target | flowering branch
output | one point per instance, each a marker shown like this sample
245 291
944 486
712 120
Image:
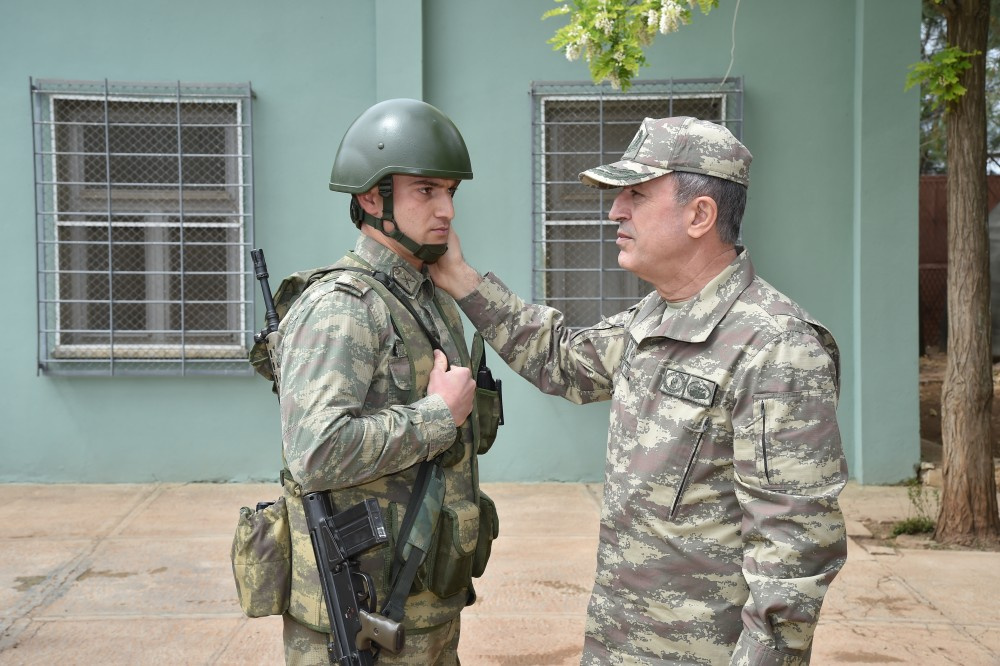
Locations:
611 34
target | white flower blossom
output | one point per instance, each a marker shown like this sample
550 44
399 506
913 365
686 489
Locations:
572 51
670 17
603 22
619 56
652 18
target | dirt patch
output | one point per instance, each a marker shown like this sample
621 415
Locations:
882 536
932 367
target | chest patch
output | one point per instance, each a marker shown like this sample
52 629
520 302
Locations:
688 387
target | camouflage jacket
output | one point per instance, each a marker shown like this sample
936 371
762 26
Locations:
720 527
349 424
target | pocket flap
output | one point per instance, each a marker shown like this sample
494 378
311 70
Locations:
465 525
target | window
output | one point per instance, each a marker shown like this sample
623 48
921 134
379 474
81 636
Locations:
144 212
579 126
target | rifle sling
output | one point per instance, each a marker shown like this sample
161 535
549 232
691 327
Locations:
402 576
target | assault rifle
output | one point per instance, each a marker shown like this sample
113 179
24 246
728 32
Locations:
357 631
336 540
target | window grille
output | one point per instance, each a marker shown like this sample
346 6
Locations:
577 126
144 217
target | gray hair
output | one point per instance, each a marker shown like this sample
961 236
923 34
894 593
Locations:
730 197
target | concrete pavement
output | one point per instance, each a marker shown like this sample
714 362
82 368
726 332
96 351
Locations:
140 574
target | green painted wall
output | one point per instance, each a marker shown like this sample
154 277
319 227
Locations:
883 299
831 218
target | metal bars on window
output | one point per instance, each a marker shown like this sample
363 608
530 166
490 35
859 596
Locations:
144 215
576 126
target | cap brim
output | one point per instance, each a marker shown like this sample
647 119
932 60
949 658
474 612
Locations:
621 174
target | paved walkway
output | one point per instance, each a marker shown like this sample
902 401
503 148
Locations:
140 574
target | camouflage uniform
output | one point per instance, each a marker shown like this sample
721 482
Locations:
348 425
720 529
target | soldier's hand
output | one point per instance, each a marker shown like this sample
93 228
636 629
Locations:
455 386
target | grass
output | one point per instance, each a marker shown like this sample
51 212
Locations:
923 502
918 525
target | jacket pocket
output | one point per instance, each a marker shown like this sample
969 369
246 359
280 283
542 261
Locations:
673 415
797 440
399 366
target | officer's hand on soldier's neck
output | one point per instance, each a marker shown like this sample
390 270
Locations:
452 273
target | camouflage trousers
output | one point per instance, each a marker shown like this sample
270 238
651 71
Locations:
437 646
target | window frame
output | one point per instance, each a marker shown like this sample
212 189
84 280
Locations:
160 213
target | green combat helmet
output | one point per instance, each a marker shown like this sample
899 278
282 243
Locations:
403 136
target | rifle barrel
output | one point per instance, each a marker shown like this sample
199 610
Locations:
260 271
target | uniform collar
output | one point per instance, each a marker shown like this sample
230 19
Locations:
699 316
381 258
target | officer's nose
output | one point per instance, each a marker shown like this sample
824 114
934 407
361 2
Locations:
619 210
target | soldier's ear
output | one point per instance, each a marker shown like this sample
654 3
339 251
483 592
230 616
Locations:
703 213
371 201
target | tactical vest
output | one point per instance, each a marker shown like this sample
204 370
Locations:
458 544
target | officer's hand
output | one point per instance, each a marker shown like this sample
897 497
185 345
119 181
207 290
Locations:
456 386
451 272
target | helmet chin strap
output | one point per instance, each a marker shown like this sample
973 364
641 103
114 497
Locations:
425 253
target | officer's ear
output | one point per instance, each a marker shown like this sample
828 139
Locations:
702 213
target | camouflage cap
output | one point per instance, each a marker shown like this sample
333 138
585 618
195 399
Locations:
675 144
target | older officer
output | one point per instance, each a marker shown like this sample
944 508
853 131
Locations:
721 530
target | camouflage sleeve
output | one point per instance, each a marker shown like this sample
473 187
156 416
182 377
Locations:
535 343
338 429
790 469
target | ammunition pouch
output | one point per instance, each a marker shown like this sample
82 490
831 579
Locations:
489 416
262 559
488 410
448 568
459 546
489 529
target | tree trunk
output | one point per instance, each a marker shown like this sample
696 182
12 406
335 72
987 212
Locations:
968 504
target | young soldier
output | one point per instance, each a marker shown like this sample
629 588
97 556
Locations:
365 401
721 530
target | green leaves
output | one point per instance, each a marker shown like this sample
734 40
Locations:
611 34
939 75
